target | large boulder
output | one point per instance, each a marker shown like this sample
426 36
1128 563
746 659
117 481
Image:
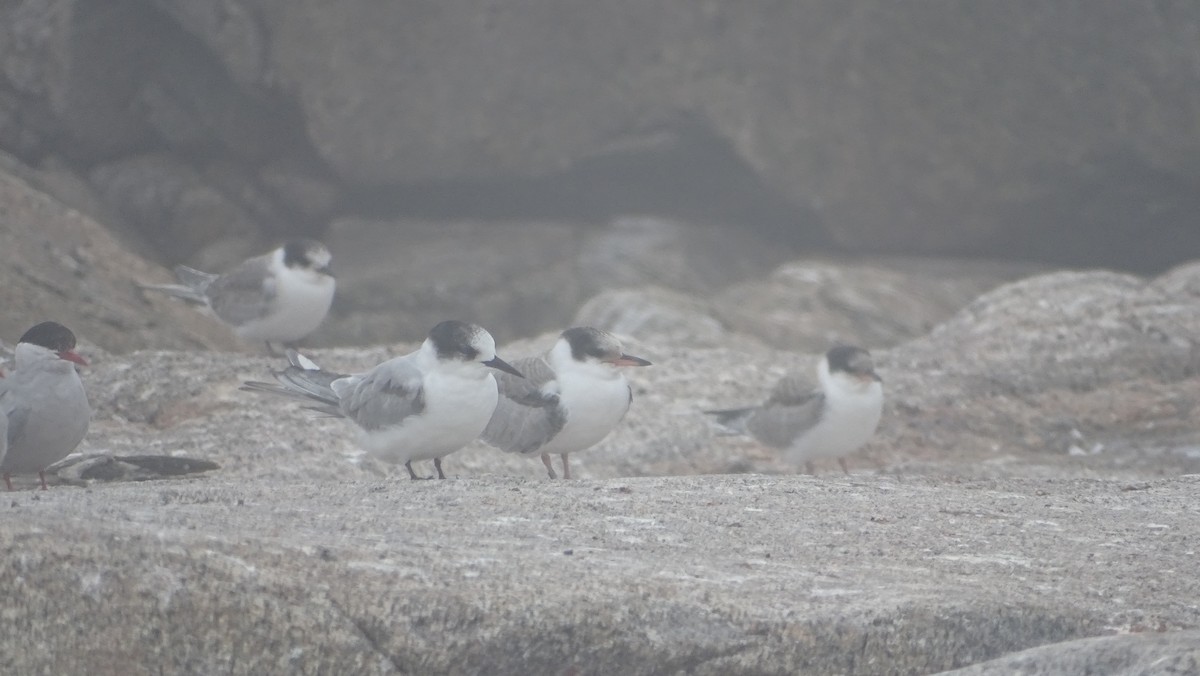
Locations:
1056 131
396 279
56 263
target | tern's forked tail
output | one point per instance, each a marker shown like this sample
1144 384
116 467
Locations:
303 380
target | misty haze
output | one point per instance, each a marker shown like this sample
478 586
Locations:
885 353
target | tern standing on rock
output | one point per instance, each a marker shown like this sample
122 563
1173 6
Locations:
421 406
45 409
278 297
570 398
831 421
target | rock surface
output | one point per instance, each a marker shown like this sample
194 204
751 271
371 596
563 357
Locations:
983 532
1130 655
501 575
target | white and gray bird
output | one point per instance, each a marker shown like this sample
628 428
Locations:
570 398
45 409
420 406
278 297
830 421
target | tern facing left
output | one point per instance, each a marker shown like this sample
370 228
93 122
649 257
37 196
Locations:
420 406
42 402
831 421
570 398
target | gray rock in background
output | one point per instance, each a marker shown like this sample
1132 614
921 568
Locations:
1025 130
398 279
172 205
56 263
809 305
655 315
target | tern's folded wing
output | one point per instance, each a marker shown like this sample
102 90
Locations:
794 406
383 397
528 414
245 293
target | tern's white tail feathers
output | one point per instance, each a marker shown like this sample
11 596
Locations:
303 380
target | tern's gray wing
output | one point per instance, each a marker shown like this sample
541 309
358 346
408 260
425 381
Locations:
384 396
12 415
527 416
13 408
3 427
793 407
245 293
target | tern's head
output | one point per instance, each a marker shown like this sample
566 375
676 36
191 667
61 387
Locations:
463 342
48 341
588 345
306 254
852 362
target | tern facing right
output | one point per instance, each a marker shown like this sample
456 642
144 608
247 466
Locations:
419 406
278 297
570 398
831 421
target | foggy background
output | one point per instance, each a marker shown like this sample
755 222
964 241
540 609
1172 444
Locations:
505 162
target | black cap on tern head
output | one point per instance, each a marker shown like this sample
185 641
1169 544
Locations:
852 360
306 253
455 340
50 335
56 338
586 341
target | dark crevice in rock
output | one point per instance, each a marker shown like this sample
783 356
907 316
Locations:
1115 211
680 170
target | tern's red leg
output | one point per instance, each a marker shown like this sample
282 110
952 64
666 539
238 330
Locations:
8 480
566 467
411 474
42 476
842 462
549 466
437 462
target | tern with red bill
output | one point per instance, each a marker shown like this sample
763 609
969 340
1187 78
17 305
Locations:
570 398
44 406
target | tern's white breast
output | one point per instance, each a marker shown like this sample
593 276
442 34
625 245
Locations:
851 414
596 398
458 406
57 422
302 300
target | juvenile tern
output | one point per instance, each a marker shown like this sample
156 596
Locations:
278 297
830 421
570 398
420 406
